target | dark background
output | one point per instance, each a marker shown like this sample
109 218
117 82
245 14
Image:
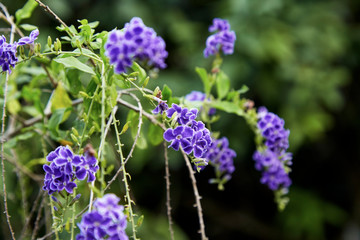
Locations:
300 59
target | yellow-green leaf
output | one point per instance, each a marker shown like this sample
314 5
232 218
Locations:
61 99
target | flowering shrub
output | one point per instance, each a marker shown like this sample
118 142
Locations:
87 83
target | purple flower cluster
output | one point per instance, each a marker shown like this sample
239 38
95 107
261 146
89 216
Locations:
65 168
223 39
106 221
221 156
135 42
189 134
274 161
8 51
199 96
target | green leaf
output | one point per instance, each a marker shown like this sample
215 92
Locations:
142 73
141 143
204 78
61 100
26 11
166 93
155 134
55 121
133 118
73 79
222 84
228 107
71 62
28 27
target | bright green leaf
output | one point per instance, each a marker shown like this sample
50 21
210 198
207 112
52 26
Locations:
71 62
26 11
222 84
28 27
141 143
155 134
228 107
55 120
204 78
61 100
142 73
166 93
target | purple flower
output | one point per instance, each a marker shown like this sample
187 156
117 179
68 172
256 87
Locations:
276 179
180 136
8 51
195 96
105 221
65 168
184 115
223 39
7 55
30 39
135 42
87 168
201 139
272 129
191 135
219 25
221 156
199 96
274 160
161 107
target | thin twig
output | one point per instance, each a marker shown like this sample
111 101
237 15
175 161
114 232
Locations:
9 19
197 196
167 179
138 128
149 116
36 225
3 130
106 131
33 209
47 9
140 110
49 75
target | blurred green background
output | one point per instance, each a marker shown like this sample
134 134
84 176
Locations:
300 59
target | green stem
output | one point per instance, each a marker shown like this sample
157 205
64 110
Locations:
127 189
73 216
87 121
103 98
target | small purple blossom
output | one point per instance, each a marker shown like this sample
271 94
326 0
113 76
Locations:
30 39
274 174
272 129
161 107
221 156
223 39
184 115
65 168
105 221
191 135
199 96
8 51
195 96
135 42
219 25
180 136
